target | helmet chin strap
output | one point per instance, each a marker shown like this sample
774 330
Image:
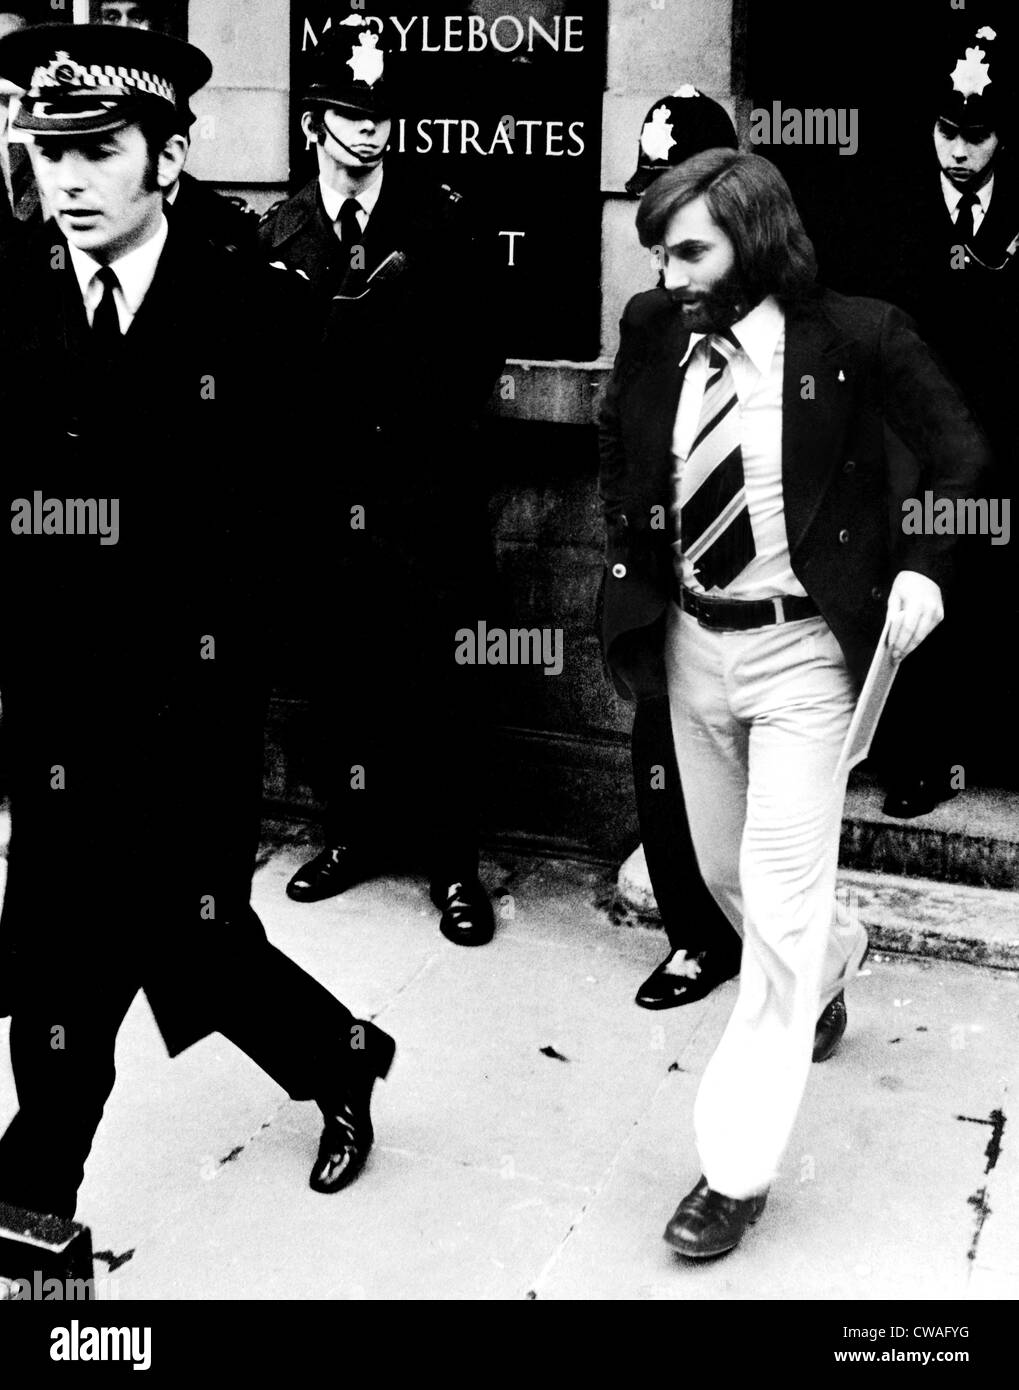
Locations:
353 153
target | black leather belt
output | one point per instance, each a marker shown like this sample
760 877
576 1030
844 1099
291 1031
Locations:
740 614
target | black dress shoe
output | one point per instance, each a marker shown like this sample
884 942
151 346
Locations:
832 1023
830 1027
918 795
467 916
333 870
662 990
348 1135
707 1223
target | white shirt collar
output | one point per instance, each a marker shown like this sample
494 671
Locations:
367 197
135 271
953 195
757 333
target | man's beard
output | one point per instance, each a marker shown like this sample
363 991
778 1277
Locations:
714 310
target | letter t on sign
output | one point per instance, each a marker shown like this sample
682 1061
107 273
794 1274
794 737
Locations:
513 245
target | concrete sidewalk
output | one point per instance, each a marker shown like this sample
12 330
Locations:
534 1135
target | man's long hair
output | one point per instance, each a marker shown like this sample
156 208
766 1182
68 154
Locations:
750 201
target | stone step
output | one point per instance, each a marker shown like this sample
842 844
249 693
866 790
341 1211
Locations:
973 839
915 916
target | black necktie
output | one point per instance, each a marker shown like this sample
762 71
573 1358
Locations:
964 229
348 227
106 321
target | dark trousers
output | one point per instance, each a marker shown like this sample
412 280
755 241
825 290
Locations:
692 918
62 1055
398 728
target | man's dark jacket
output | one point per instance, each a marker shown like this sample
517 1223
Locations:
133 746
854 368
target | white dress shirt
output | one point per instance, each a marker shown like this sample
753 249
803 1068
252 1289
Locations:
757 373
953 197
368 197
135 272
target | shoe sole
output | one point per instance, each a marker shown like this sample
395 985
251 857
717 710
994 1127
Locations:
301 897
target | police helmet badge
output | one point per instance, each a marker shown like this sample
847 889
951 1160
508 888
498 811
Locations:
971 74
367 62
656 138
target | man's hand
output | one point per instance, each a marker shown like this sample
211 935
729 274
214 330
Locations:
915 608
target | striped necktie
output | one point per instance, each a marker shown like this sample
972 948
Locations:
716 536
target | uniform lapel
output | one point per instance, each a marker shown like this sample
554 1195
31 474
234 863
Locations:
303 237
1000 224
818 390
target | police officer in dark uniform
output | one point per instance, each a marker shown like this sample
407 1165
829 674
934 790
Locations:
140 380
402 558
703 948
948 255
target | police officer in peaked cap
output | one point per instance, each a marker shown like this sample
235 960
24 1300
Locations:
403 559
141 379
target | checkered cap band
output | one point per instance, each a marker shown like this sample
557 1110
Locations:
110 80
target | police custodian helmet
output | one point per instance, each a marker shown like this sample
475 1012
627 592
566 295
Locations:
352 69
91 79
974 82
676 128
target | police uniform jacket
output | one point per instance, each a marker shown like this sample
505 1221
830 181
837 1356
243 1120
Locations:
969 313
133 674
853 367
407 369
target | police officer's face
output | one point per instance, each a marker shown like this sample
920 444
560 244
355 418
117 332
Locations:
354 142
100 190
965 153
125 14
698 263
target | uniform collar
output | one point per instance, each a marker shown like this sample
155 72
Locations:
953 195
757 333
135 271
368 196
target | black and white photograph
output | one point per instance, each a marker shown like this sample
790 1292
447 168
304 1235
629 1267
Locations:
509 787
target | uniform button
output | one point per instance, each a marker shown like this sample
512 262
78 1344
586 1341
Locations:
849 466
843 537
618 571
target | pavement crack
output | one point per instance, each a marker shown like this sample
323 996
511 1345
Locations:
997 1121
552 1053
983 1210
234 1153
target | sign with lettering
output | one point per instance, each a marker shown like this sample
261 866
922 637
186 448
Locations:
501 100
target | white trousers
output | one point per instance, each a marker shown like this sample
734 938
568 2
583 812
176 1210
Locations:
759 718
